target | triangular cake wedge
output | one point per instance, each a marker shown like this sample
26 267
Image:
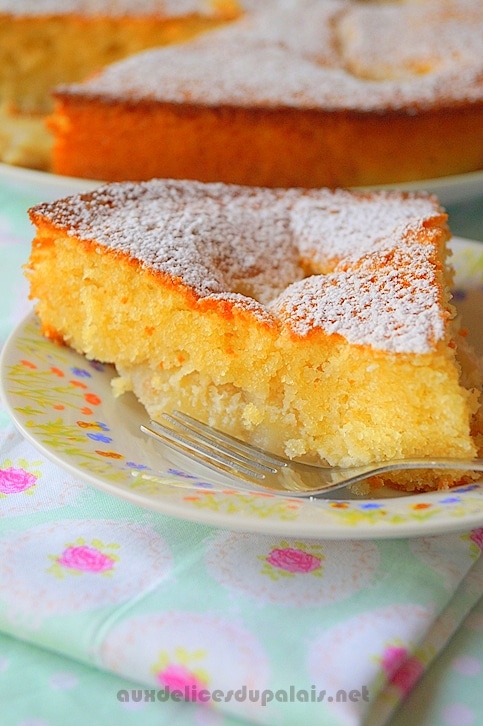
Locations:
315 323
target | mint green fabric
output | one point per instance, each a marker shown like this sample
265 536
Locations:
113 614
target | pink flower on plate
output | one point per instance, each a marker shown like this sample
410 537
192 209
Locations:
292 559
13 481
86 559
476 536
177 677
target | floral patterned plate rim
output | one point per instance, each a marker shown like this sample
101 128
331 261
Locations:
64 405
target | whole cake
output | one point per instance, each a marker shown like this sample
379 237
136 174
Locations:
315 323
309 93
45 42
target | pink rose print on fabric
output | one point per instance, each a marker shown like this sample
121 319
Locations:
14 480
85 558
476 536
290 560
179 678
475 542
21 490
80 557
291 571
402 671
115 560
293 560
181 673
408 675
393 657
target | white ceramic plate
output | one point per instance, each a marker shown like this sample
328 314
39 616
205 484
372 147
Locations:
64 405
40 185
450 189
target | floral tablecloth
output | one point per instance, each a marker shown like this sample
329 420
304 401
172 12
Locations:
110 613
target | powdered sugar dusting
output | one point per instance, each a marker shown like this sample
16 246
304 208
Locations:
348 231
411 40
388 302
336 54
251 247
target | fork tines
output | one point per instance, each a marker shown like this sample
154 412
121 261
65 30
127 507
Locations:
214 448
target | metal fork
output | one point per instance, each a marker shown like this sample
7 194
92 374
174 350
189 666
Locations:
270 472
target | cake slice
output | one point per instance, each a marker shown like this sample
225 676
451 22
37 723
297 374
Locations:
46 42
314 323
